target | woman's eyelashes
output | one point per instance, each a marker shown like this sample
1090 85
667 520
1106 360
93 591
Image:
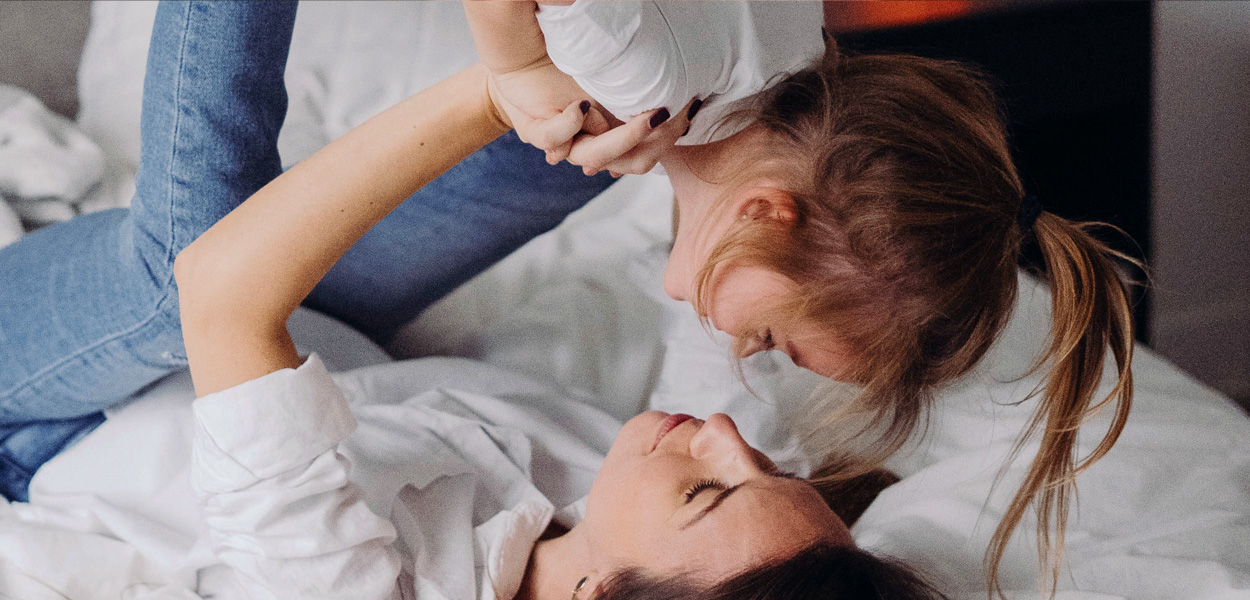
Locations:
701 486
704 485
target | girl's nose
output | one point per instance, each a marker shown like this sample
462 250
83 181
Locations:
675 284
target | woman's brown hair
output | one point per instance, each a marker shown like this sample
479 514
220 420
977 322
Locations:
821 571
904 248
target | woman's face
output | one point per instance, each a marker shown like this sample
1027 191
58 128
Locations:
705 212
681 495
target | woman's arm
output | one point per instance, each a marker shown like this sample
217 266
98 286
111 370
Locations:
241 280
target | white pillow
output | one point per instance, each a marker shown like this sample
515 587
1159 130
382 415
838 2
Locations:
348 62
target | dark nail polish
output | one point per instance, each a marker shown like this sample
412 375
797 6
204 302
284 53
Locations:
694 108
683 134
660 116
584 106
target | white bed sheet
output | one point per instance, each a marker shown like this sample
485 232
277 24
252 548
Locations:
1166 515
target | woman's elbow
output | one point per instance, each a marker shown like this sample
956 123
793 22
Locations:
187 270
199 283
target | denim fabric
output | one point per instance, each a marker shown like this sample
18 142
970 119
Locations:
455 227
89 308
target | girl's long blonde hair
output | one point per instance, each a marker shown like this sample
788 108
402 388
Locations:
905 249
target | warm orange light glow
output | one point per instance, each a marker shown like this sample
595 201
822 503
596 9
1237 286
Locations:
849 15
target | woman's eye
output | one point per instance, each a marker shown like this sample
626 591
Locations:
701 486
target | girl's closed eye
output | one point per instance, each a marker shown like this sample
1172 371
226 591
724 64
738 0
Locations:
701 486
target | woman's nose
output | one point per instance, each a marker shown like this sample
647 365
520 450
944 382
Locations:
718 440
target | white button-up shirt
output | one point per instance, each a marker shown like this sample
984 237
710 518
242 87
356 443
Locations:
305 494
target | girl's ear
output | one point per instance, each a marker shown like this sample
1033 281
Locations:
769 203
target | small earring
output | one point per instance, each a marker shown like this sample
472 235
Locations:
578 589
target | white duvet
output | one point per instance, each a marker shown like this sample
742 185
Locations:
1166 515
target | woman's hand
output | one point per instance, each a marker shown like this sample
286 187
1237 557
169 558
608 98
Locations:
634 147
535 100
531 95
527 99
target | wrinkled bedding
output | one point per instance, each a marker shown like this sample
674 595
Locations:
579 314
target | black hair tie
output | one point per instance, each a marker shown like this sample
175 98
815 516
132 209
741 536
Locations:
1030 208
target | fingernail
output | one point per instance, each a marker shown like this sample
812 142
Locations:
660 116
584 106
694 108
683 134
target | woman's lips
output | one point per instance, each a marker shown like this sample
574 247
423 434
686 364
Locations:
668 424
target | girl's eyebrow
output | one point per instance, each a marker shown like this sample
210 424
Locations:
720 498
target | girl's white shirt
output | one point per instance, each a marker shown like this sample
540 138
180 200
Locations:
305 494
637 56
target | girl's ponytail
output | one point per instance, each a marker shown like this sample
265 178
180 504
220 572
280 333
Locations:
1092 312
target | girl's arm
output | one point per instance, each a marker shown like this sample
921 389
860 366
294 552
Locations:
241 280
506 34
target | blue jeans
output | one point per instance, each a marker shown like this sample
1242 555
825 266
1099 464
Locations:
89 308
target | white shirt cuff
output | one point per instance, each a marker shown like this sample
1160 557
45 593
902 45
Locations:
267 426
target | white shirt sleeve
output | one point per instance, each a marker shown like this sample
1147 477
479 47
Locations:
637 56
279 506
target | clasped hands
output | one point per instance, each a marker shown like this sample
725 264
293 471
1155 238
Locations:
550 111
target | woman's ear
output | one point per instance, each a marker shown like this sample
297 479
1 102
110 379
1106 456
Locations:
769 203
